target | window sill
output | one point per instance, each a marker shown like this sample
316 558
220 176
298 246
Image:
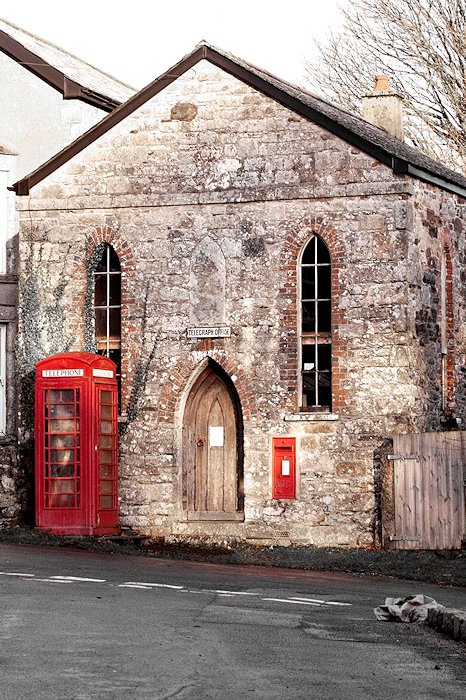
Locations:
310 417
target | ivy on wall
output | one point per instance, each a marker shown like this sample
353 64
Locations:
42 318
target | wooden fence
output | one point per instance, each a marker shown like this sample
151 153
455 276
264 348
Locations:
428 491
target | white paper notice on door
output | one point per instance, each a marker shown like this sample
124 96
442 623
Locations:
216 435
285 467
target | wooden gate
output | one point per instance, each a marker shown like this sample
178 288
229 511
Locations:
428 490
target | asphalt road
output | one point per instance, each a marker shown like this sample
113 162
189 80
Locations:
79 625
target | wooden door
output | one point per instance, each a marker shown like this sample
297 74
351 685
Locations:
210 450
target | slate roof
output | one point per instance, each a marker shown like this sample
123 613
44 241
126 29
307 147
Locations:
69 75
403 159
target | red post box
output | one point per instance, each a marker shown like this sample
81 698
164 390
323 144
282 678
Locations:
284 467
76 438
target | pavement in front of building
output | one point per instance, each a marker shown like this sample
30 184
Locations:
444 568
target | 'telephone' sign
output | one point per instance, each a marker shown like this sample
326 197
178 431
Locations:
63 372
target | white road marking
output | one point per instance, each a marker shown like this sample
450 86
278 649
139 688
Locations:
145 585
293 602
78 578
332 602
50 580
233 592
153 585
323 602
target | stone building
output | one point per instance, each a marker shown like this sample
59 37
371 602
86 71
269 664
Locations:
260 264
48 98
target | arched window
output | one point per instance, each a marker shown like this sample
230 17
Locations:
316 336
447 375
107 307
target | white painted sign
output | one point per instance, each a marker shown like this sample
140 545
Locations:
216 436
63 372
285 467
209 332
107 373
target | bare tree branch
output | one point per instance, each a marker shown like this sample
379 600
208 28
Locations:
421 45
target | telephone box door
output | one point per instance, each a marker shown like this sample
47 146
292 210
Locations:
106 398
59 491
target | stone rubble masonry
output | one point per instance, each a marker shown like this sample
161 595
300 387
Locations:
257 181
449 621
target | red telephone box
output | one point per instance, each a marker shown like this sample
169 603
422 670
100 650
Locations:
76 438
284 467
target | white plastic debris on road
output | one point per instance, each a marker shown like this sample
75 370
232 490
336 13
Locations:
413 608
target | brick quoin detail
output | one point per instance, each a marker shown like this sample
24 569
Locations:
106 234
176 383
290 294
450 359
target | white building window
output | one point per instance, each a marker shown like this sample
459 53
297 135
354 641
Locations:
7 204
3 219
3 327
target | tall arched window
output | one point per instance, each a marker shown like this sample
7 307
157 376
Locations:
447 377
316 335
107 307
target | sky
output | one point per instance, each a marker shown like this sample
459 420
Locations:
137 41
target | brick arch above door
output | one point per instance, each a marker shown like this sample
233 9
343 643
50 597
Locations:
174 387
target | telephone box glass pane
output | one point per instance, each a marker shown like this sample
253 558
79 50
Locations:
61 440
106 412
106 441
107 457
59 396
107 487
106 471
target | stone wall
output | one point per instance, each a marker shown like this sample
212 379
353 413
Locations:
212 178
438 230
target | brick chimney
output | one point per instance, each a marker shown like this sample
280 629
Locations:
384 108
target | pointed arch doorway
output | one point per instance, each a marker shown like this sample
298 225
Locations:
213 448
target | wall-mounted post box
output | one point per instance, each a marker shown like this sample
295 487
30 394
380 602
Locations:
76 438
284 467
